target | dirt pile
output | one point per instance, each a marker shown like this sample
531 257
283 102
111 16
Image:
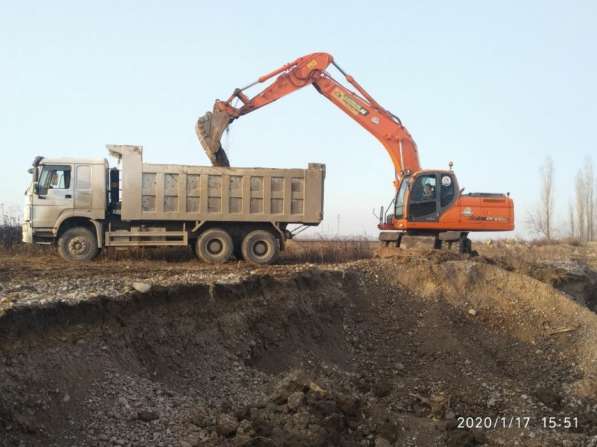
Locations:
569 268
408 351
508 311
300 412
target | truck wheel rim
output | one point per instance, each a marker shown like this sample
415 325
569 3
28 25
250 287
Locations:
215 246
260 248
77 246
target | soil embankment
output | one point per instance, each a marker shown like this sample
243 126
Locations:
376 352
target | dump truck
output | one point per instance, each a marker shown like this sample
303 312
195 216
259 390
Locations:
84 205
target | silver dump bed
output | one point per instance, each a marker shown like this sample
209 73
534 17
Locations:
205 193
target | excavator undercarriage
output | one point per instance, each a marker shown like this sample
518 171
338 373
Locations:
391 241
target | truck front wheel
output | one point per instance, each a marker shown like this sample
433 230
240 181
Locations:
214 246
260 247
78 244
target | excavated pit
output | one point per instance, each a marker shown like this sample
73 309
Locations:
382 352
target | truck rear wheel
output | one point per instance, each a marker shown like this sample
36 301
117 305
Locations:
214 246
260 247
78 244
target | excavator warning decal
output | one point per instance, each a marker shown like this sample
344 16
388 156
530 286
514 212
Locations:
349 102
311 65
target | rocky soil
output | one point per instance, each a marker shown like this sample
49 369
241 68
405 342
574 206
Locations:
396 351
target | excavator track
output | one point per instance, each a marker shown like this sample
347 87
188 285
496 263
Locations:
209 130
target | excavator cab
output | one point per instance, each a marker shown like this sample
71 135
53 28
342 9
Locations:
423 197
431 203
432 193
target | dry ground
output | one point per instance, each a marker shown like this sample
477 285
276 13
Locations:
367 352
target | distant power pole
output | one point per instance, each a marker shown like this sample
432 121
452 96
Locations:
338 225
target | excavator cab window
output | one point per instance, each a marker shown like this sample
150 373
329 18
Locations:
447 190
423 198
399 203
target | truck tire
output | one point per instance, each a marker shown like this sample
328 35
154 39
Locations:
260 247
78 244
214 246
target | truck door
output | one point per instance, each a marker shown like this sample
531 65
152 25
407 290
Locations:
53 196
83 191
422 202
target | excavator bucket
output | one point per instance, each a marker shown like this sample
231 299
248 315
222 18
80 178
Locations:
209 129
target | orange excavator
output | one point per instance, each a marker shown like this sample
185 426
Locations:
426 202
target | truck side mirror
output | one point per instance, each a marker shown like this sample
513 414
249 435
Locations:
40 191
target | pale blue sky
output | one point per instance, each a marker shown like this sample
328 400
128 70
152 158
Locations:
493 86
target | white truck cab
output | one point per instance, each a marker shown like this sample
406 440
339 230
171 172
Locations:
62 192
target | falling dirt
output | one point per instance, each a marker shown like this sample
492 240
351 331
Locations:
421 350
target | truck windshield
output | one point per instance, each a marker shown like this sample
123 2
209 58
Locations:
54 177
399 210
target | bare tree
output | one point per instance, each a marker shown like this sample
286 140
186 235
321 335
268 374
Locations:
540 220
581 206
571 226
585 202
590 198
594 209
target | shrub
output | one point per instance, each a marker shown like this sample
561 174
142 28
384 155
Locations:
325 250
10 236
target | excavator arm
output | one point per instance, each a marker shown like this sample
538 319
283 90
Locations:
291 77
311 70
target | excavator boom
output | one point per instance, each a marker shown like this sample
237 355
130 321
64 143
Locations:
311 70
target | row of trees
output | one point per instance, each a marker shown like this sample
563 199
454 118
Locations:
582 207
